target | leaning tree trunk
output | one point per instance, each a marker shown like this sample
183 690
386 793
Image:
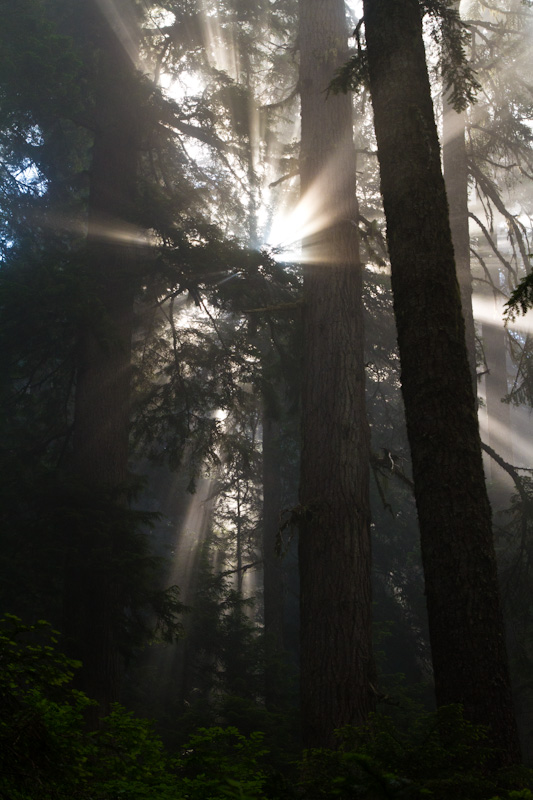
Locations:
334 542
465 620
92 603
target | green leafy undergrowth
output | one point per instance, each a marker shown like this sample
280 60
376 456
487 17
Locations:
221 762
46 752
215 763
43 749
442 756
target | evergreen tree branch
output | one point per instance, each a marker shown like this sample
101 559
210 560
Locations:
451 34
491 244
491 192
283 102
512 471
521 299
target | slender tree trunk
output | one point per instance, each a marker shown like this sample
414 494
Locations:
465 620
239 542
101 417
272 574
334 544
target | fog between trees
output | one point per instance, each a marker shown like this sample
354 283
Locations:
209 478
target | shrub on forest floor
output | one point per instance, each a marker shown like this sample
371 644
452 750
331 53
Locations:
442 756
215 763
47 754
44 751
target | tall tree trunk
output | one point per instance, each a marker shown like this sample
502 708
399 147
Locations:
465 620
239 544
101 417
334 543
272 575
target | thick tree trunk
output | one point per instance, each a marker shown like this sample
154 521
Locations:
334 545
101 417
466 627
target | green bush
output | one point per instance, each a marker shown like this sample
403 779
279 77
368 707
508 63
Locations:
46 753
221 763
129 762
442 756
215 763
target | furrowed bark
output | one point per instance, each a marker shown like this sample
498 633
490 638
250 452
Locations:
334 544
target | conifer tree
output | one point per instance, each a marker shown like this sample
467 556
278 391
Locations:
334 526
465 620
101 422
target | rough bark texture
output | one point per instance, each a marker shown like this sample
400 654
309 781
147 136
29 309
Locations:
465 620
101 416
455 168
334 544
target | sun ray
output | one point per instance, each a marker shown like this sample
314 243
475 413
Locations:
121 19
311 216
489 311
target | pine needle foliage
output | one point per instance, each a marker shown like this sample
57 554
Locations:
451 35
521 299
